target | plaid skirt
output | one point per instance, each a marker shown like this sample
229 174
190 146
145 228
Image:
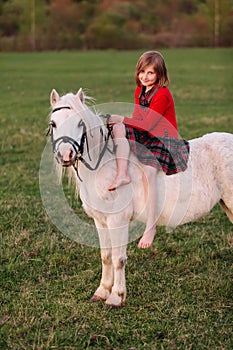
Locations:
164 153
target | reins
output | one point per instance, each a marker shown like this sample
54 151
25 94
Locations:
80 153
109 134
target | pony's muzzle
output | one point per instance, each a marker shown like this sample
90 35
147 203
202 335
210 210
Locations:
66 157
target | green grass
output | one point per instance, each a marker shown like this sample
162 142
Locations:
180 290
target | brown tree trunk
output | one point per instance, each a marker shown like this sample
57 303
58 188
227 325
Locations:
216 23
33 26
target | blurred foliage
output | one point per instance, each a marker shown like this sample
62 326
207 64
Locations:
118 24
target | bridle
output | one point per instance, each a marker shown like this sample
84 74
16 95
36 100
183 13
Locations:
79 147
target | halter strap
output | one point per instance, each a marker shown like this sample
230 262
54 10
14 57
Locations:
79 147
59 108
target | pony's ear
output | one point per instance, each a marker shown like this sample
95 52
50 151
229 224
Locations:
54 97
80 95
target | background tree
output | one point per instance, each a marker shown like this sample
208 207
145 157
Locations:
219 18
20 22
117 24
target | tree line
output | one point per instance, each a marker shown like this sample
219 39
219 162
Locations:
28 25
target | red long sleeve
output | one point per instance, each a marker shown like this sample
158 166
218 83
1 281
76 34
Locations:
159 119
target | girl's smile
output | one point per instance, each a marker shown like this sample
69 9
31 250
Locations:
147 77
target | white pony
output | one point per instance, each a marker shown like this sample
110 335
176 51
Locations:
80 140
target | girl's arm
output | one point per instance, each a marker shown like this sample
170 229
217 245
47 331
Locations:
147 120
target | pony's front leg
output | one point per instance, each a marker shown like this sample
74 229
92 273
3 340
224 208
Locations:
119 238
106 283
118 294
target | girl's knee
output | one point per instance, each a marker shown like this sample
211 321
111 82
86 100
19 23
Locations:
118 130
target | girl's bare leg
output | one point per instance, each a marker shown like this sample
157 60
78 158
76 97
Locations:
122 155
150 186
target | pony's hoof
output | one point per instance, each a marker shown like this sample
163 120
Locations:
114 301
96 298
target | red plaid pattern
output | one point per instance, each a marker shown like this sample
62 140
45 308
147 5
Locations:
164 153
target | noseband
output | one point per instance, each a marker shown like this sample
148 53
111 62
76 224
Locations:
79 147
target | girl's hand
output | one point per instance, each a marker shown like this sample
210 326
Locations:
115 118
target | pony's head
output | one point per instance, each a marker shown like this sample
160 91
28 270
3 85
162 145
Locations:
68 126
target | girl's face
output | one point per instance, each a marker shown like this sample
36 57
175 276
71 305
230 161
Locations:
147 77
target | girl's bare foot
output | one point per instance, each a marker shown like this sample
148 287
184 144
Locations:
147 239
119 181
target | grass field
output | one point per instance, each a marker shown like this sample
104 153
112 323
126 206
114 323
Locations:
180 291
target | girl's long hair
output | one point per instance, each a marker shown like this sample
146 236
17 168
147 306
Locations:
155 59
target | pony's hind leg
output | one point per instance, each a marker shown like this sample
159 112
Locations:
226 181
228 209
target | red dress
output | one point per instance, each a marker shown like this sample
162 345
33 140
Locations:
152 131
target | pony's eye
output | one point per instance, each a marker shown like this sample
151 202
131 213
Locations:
52 124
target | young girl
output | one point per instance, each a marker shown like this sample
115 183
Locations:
152 133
